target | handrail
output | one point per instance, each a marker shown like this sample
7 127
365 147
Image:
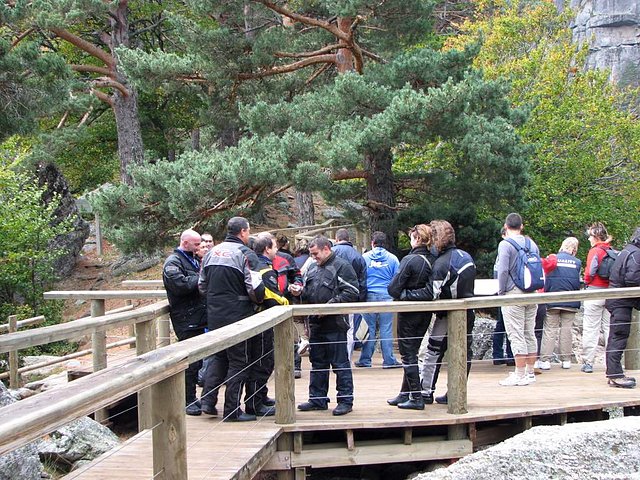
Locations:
23 323
24 421
104 294
163 369
78 328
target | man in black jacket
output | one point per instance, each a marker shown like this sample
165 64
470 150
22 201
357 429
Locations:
226 281
624 273
187 308
329 280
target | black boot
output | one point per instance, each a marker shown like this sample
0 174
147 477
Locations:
415 402
402 397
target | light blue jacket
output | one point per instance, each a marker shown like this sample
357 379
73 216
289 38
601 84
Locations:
382 265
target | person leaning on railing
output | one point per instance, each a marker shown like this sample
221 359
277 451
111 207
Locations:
624 273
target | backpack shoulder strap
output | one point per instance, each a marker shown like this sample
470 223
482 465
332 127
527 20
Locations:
513 243
424 257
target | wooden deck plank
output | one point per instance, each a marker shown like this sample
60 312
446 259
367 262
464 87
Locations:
218 450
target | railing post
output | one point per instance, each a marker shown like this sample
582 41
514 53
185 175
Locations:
132 328
99 346
285 387
145 342
457 366
631 354
169 429
164 331
14 376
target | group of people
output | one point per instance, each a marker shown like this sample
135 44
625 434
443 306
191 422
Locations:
562 272
209 287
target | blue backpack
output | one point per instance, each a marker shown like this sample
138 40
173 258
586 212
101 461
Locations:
529 275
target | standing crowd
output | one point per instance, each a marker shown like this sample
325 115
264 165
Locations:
211 286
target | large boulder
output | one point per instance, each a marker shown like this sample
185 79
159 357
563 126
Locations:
77 443
588 451
22 463
71 243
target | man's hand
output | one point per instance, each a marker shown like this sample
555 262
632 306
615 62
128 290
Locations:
295 289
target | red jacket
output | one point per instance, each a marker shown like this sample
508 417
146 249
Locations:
594 257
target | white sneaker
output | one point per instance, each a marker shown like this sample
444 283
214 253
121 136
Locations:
303 346
544 365
531 376
515 380
536 364
566 364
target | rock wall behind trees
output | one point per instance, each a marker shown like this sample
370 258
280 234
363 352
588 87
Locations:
612 30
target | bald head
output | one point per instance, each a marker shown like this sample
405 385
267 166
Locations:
190 241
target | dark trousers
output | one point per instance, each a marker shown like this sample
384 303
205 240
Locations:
262 364
231 367
191 374
499 337
411 330
329 350
541 314
620 326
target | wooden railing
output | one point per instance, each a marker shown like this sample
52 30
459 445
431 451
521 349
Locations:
162 371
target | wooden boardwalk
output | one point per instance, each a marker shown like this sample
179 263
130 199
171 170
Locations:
219 450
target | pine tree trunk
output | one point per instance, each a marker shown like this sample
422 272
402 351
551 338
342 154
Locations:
344 57
381 197
305 208
125 106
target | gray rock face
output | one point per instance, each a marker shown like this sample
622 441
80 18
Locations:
612 30
72 242
585 451
23 463
76 443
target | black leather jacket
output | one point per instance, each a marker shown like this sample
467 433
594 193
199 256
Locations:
187 307
334 281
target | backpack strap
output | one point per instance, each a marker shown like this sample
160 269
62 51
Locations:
515 244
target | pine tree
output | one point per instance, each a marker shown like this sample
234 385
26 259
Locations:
339 129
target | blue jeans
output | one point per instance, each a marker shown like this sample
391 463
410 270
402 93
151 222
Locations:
385 322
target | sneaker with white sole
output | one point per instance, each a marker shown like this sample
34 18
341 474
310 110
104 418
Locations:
536 365
303 346
531 376
543 365
566 364
515 380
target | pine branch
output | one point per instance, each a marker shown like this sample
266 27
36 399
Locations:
22 36
102 96
110 83
88 47
329 27
92 69
328 48
292 67
349 175
317 73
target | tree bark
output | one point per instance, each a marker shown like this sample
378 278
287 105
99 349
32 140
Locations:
305 208
344 57
381 196
125 105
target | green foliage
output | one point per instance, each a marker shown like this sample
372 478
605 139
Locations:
26 259
30 85
586 144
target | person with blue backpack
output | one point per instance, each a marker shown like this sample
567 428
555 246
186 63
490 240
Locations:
519 271
453 276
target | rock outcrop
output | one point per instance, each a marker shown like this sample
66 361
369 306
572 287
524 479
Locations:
72 242
612 30
588 451
77 443
24 462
